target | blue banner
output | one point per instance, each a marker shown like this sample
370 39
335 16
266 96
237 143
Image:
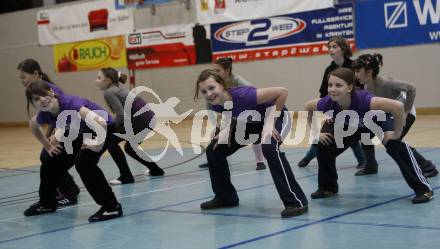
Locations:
395 23
123 4
298 34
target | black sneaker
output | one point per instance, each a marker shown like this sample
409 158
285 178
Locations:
104 214
303 163
367 170
37 209
217 203
63 202
421 198
261 166
293 211
156 171
361 165
430 173
203 165
319 194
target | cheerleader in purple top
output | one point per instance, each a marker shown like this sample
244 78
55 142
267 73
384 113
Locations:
340 53
223 67
343 97
272 131
85 157
29 70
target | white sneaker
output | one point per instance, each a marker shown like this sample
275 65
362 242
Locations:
115 182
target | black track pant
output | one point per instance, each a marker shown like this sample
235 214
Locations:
397 149
288 189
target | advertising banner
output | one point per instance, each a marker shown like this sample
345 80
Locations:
167 46
397 23
298 34
215 11
90 55
80 22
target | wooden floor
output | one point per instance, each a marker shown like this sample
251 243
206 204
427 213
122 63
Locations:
18 148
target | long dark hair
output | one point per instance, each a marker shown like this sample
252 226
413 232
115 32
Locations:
343 44
31 66
37 87
114 75
369 62
225 63
204 75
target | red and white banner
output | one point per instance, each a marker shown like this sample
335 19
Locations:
86 21
216 11
168 46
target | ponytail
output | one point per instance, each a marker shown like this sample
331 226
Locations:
122 77
225 63
114 75
369 62
379 59
46 78
31 66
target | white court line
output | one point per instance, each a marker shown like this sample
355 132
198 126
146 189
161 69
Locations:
138 194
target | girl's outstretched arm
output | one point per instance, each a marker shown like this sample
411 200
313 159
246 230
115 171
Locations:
37 131
390 106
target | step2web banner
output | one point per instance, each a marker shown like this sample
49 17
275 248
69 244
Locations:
396 23
299 34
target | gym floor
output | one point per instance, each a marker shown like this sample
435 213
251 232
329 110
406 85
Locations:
370 211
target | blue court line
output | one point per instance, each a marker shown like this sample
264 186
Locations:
82 188
317 222
204 198
132 214
301 219
384 225
234 215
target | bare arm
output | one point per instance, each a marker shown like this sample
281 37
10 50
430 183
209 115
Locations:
279 96
276 94
98 124
311 106
84 111
390 106
37 131
49 130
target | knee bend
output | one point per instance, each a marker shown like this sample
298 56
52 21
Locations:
220 151
210 150
393 145
45 169
128 149
84 161
268 149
